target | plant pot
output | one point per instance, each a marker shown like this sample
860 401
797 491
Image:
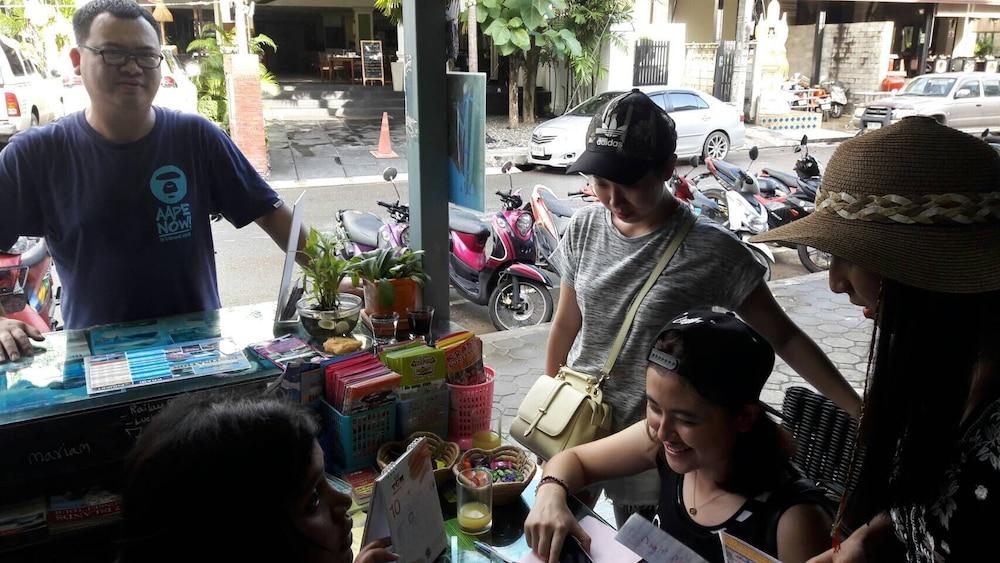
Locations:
325 324
402 295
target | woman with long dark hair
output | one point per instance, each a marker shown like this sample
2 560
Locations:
911 215
722 463
234 479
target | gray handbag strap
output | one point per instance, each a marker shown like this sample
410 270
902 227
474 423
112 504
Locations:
668 254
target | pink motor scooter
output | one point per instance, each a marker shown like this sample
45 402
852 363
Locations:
492 263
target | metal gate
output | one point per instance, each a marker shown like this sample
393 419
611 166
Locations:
650 63
724 60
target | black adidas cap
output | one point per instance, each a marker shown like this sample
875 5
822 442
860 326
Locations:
630 137
724 359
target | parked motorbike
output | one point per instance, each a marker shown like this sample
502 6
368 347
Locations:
837 93
364 231
552 215
804 184
992 138
27 291
688 193
754 204
492 263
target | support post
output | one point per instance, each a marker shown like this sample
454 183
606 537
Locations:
427 157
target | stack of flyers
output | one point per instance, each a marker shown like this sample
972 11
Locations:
358 382
362 484
287 348
463 352
74 511
419 365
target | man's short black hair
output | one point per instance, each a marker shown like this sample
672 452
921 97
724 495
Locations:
124 9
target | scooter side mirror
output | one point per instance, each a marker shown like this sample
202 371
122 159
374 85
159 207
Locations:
805 139
754 152
389 174
506 167
797 148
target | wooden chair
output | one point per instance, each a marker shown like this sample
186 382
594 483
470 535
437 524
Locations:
824 437
325 67
341 67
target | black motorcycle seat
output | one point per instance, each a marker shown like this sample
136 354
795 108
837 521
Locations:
769 186
731 171
790 180
557 206
466 222
808 189
362 227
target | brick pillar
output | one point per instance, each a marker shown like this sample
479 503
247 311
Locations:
246 109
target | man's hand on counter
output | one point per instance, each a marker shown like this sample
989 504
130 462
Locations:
15 339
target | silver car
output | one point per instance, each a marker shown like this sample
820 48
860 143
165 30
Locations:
964 100
706 126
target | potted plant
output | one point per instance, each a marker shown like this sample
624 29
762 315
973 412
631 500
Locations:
390 278
325 311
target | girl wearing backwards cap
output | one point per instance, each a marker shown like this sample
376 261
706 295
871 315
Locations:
911 215
722 463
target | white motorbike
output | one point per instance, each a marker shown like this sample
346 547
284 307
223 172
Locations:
748 217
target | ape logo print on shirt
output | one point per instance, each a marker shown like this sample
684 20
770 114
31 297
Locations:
173 219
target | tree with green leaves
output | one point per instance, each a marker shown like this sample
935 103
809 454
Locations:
522 30
593 22
33 23
211 80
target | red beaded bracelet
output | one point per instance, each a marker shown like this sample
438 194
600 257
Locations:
552 479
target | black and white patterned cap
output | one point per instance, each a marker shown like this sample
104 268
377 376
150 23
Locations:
724 359
628 138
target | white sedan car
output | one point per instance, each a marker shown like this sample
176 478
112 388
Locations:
176 89
706 126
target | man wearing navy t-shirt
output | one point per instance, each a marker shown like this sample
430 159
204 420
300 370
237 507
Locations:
123 191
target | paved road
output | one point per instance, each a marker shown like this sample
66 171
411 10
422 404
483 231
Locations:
249 264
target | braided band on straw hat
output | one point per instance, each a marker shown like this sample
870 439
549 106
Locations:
917 202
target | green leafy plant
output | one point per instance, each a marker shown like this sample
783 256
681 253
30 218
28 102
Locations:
383 264
522 30
326 269
211 81
392 9
593 23
32 24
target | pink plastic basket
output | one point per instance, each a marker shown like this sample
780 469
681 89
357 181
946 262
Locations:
470 410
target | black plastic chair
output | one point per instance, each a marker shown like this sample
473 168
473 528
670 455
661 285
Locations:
824 437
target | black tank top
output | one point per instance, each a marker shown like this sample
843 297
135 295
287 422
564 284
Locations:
756 522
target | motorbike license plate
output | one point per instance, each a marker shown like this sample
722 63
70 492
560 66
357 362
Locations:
537 150
873 125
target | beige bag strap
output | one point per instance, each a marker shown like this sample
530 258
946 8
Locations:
668 254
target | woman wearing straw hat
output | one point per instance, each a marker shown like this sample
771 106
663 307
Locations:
911 215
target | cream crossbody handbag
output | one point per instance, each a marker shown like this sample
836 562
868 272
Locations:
568 410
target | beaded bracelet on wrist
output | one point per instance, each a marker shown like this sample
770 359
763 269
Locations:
552 479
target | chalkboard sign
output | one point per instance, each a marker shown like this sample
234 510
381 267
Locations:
371 62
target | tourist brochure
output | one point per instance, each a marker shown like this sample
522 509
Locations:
735 550
463 352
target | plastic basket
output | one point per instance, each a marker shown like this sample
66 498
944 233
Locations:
351 442
470 409
427 412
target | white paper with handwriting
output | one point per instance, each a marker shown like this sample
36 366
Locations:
653 544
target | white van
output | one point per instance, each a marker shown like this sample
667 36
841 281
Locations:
29 97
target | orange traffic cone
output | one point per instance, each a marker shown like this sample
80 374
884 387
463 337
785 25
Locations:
384 144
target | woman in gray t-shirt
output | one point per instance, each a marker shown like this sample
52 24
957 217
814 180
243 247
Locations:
608 252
